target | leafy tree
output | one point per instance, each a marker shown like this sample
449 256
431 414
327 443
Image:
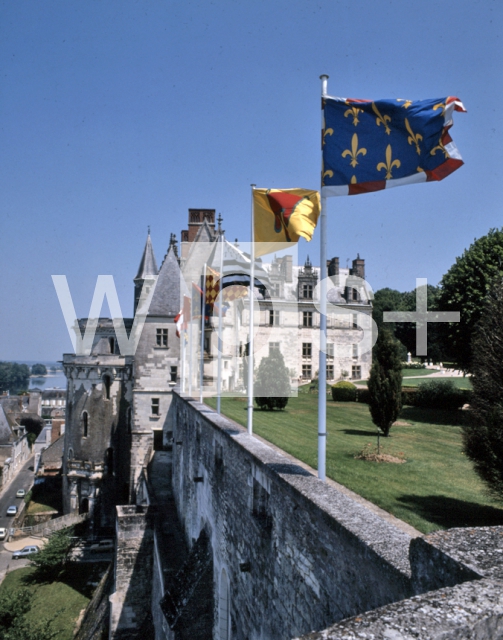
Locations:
405 332
272 387
33 427
14 377
483 435
385 382
14 605
464 288
39 370
50 560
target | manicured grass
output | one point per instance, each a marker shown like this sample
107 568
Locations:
436 488
61 600
406 373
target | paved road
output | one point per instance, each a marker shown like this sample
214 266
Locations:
23 480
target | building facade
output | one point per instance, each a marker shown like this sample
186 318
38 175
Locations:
117 406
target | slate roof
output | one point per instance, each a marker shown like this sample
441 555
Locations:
5 430
166 298
52 457
148 264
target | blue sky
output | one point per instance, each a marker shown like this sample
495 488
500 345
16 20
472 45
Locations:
117 115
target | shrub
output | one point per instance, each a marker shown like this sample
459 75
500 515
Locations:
344 392
272 387
439 394
413 365
409 395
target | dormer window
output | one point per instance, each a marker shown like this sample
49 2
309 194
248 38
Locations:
307 291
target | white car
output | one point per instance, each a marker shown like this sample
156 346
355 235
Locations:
3 533
20 493
12 510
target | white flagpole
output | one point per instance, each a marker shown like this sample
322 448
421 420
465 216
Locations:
203 312
190 341
322 374
250 339
220 345
183 353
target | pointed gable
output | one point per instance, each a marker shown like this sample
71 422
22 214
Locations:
166 298
148 264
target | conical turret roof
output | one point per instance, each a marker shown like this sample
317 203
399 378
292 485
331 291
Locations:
148 265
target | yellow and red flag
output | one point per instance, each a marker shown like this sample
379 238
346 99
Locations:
282 216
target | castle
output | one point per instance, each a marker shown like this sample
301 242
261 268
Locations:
117 405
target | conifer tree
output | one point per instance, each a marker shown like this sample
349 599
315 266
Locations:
385 382
483 435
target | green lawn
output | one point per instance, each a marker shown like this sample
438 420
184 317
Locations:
406 373
436 488
61 600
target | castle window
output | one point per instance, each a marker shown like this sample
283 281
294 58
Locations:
330 371
275 289
107 383
306 371
355 351
154 408
111 342
307 318
307 349
162 338
307 291
173 373
356 372
85 424
355 320
273 346
330 350
273 318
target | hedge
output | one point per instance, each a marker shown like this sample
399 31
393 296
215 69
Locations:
344 392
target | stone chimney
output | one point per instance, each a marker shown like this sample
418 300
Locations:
333 267
358 267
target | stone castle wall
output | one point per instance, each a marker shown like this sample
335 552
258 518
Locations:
298 555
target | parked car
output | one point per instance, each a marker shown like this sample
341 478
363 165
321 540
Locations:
103 545
20 493
12 510
3 533
25 551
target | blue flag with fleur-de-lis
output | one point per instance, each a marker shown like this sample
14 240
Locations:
373 145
